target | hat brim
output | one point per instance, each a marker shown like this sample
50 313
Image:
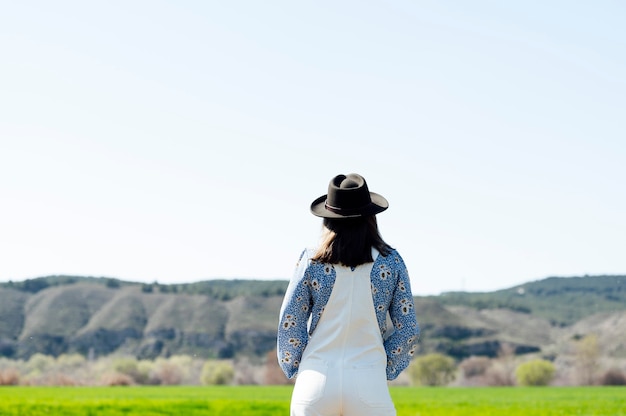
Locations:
378 205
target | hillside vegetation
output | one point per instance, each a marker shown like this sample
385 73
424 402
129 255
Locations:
226 318
561 300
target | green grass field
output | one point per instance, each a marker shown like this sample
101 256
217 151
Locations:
270 401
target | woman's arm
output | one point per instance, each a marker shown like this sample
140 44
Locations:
402 344
293 334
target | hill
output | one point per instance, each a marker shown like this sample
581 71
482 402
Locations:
58 314
226 318
561 300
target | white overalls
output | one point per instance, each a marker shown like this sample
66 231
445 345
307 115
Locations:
342 371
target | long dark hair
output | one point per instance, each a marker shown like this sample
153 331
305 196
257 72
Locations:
349 241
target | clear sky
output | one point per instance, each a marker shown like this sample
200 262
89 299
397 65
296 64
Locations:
183 141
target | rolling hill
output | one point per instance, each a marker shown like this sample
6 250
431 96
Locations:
227 318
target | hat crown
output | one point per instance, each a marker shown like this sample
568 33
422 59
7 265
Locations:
350 183
348 197
347 194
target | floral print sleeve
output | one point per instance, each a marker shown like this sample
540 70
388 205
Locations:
402 343
293 334
309 291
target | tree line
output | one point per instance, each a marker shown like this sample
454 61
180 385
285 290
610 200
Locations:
222 289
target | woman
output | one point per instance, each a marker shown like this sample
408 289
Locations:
333 331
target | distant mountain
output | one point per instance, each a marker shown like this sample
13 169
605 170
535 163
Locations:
226 318
58 314
537 316
561 300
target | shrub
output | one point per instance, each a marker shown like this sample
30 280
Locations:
167 373
587 357
112 283
244 372
70 361
117 379
474 366
184 361
38 363
144 375
217 372
186 367
273 374
59 379
139 372
125 365
500 374
535 373
9 377
473 371
613 377
432 370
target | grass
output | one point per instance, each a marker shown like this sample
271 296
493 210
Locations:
511 401
272 401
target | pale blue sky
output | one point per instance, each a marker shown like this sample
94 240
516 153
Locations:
182 141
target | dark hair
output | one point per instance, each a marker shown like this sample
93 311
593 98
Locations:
349 241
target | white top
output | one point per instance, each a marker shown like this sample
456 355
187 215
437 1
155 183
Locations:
347 334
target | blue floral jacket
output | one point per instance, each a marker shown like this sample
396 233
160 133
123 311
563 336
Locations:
309 291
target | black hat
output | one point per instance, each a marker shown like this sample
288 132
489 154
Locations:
348 196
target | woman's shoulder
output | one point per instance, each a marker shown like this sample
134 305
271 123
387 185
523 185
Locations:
391 256
306 262
392 260
307 255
